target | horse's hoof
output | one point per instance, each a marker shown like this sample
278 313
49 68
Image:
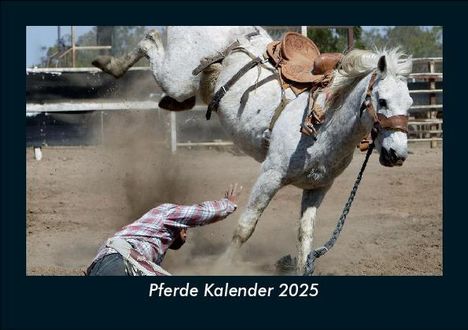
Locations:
168 103
286 265
153 35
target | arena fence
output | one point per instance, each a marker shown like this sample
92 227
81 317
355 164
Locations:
426 116
88 90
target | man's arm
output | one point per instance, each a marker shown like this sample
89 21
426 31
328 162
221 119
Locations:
206 212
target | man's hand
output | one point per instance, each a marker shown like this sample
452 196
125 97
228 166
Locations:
233 193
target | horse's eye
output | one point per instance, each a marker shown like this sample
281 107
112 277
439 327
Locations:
382 103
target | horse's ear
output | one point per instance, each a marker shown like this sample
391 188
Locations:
382 65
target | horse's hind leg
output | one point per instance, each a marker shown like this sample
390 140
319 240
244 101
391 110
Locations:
117 66
266 186
311 200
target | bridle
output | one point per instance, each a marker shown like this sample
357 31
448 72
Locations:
394 123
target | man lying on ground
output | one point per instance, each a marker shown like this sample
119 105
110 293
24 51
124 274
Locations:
139 248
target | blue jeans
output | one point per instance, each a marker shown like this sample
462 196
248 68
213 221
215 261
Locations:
109 265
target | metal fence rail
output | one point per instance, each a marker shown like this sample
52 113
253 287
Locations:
425 122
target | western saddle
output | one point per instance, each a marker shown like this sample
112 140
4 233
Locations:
298 65
301 67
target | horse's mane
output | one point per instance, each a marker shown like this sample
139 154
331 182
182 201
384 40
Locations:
359 63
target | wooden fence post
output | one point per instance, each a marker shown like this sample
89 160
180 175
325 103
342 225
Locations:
432 101
173 132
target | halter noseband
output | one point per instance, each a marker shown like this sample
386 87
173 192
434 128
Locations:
394 123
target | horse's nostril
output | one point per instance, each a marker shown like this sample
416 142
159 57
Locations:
395 157
393 154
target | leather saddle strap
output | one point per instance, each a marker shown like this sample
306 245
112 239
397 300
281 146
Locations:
213 106
279 109
245 96
253 34
221 55
213 59
252 56
280 106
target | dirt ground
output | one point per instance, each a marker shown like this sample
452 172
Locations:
79 196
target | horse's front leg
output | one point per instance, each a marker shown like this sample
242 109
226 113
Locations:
118 66
311 200
266 186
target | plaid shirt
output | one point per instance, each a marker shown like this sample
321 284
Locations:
154 232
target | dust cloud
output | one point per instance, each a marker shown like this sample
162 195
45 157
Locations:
149 174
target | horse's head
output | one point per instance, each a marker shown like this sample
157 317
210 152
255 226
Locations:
391 101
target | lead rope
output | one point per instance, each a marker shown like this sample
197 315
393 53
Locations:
317 253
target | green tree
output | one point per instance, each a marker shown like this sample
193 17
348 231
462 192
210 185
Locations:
276 32
334 39
326 39
418 41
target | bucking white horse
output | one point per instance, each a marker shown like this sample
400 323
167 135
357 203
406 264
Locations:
364 81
